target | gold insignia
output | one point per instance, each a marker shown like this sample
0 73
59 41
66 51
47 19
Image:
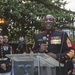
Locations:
47 35
62 57
70 53
66 61
46 46
47 43
68 43
47 38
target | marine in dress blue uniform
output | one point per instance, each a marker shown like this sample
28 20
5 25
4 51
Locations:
55 43
5 63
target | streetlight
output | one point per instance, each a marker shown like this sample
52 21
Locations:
2 21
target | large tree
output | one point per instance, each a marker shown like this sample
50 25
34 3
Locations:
22 17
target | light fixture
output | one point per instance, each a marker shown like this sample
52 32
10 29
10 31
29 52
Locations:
2 21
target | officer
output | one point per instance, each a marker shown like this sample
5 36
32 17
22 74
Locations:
6 44
5 63
55 43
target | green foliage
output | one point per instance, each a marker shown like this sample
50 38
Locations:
24 18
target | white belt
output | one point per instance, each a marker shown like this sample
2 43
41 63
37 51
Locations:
3 58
